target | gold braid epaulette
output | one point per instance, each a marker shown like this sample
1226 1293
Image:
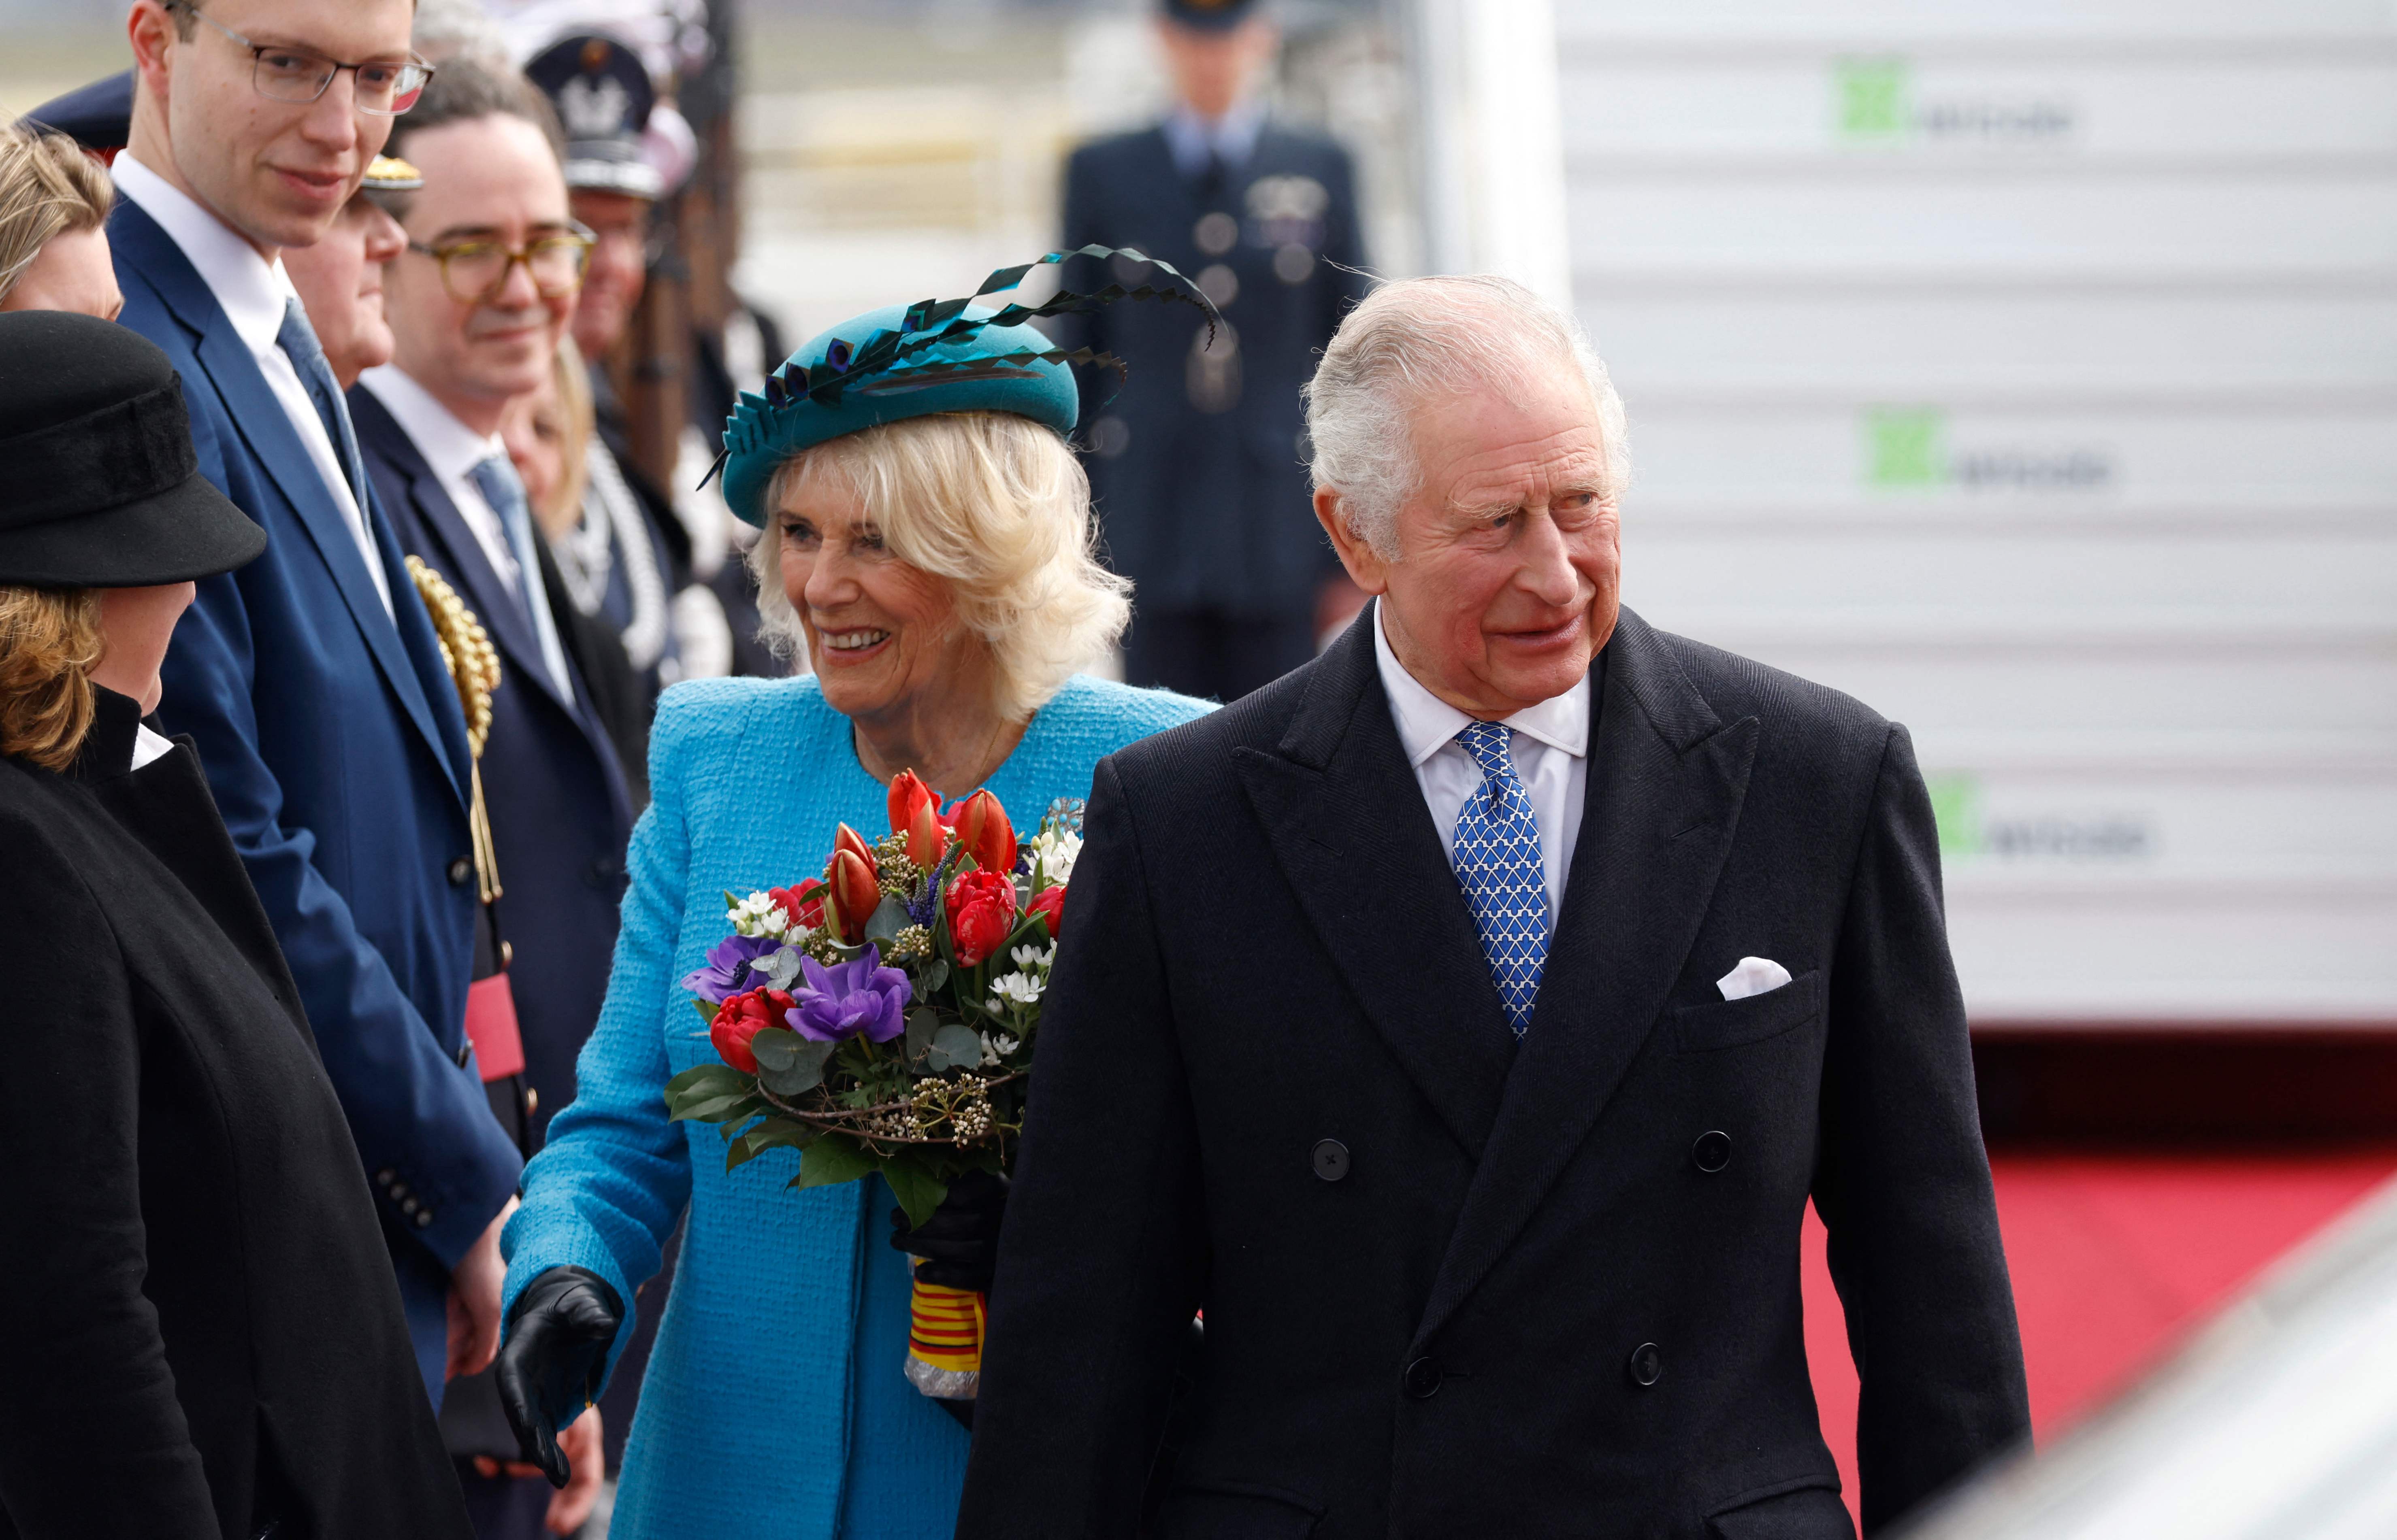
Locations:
473 666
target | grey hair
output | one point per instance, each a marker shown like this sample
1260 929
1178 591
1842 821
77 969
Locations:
1422 337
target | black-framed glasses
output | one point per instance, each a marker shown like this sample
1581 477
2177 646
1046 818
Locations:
474 271
282 74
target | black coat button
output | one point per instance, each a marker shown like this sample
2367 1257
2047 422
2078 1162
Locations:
1331 1160
460 870
1647 1365
1422 1379
1712 1152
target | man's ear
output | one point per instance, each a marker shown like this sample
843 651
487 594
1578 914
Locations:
1366 569
152 33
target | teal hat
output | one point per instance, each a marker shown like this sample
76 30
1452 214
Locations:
910 361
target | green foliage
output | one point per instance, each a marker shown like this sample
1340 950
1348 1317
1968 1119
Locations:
831 1161
919 1191
889 917
789 1065
709 1092
955 1046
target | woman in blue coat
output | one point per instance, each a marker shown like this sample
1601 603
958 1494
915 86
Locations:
928 541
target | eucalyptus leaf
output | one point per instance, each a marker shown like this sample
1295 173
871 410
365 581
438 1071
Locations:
921 1025
889 917
936 972
774 1048
955 1046
778 968
832 1160
804 1072
919 1191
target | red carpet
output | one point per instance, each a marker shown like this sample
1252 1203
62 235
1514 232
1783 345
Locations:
2114 1258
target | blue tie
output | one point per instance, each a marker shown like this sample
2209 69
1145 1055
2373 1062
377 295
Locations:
1498 866
497 479
297 340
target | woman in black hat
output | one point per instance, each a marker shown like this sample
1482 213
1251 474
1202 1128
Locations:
199 1331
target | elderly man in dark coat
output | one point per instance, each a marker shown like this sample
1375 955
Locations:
1464 1022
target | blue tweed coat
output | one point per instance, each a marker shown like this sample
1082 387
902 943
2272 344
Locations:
774 1402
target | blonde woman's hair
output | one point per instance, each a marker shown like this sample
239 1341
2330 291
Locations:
47 188
577 420
996 504
49 642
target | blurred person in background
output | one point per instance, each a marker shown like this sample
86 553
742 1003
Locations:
54 202
201 1330
635 552
1197 467
551 439
312 680
477 304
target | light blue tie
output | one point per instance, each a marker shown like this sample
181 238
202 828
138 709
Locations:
496 479
297 340
1499 868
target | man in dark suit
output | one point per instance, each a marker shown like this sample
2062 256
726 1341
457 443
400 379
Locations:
1196 458
1464 1021
476 305
311 680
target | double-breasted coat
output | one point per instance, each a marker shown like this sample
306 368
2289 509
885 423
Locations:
1458 1285
200 1335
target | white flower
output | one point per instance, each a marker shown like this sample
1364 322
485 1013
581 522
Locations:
995 1049
1059 848
759 915
1017 988
1034 956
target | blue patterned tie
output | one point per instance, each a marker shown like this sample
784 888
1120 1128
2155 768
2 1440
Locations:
297 340
1498 865
497 479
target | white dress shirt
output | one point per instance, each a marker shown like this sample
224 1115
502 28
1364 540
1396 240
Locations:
252 292
1550 743
453 450
1231 138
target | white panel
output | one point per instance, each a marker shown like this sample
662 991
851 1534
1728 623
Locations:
1726 25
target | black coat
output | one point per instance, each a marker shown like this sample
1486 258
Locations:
1455 1286
1201 479
200 1330
560 811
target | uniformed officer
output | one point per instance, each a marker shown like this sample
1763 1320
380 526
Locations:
630 561
1198 465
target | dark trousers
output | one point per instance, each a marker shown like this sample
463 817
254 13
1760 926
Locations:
1212 655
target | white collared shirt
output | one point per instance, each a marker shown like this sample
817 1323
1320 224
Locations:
453 450
252 292
1551 748
1231 138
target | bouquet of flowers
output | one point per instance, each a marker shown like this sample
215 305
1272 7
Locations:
881 1017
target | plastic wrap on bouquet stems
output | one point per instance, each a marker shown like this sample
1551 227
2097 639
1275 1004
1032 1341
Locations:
944 1334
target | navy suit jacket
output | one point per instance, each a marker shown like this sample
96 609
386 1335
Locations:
1202 492
334 744
560 815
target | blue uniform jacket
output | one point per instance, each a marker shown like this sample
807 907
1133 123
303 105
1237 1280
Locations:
336 749
559 812
1197 463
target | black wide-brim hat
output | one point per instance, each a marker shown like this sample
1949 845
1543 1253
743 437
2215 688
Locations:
100 487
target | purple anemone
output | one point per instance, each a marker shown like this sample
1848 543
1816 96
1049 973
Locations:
859 998
729 962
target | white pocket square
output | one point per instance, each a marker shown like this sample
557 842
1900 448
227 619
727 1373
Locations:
1755 975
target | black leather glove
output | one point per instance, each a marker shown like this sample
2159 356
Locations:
556 1350
959 1242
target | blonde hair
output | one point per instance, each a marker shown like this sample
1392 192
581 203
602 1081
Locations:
49 642
47 187
577 420
992 502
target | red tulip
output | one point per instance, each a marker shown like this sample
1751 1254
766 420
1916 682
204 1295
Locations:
845 838
1049 902
907 794
983 829
926 837
981 913
743 1016
853 895
804 904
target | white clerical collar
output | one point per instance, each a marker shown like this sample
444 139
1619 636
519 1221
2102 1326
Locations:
1231 138
448 445
149 747
1425 721
251 291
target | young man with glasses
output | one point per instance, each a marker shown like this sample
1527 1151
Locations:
312 679
477 304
